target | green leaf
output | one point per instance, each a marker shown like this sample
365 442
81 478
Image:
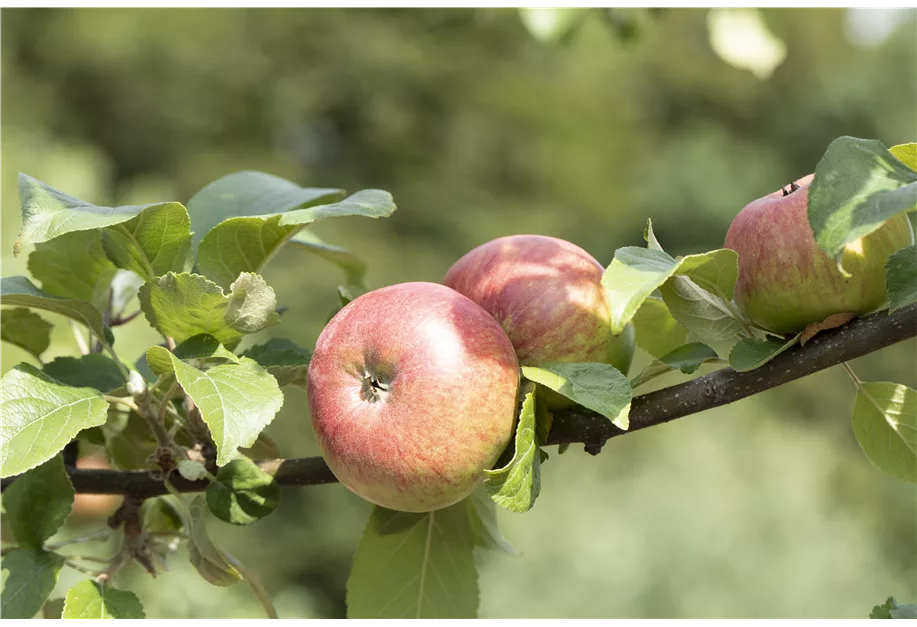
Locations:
858 186
890 609
38 503
48 213
25 329
901 278
885 425
250 193
263 448
242 493
184 305
247 244
354 268
52 608
74 266
598 387
40 416
635 273
89 599
237 401
752 353
19 291
129 441
415 566
484 527
204 348
153 243
209 561
686 358
906 154
704 314
518 483
33 575
284 360
160 516
94 370
657 331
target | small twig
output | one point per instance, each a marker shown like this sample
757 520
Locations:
98 534
80 340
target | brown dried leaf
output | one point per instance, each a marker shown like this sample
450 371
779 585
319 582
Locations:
831 322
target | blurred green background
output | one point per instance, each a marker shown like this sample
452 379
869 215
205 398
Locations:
482 124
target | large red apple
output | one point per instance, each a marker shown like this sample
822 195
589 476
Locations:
787 282
413 391
547 295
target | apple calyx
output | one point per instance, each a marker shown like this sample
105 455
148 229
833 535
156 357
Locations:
374 387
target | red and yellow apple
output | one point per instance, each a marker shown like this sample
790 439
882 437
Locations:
547 295
91 507
413 391
787 282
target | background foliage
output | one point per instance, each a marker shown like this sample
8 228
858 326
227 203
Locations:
764 508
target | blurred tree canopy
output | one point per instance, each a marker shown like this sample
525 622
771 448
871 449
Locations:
481 130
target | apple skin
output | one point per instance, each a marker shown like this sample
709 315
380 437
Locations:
92 507
446 412
787 282
547 295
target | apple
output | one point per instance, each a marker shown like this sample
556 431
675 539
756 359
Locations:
413 391
787 282
91 507
547 295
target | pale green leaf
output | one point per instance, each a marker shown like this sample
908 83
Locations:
90 599
686 358
901 278
598 387
705 315
250 193
48 213
906 154
484 527
184 305
354 268
38 503
242 493
202 348
751 353
885 425
516 485
19 291
657 331
284 360
247 244
74 266
411 565
40 416
858 186
153 243
33 575
635 273
237 401
210 562
25 329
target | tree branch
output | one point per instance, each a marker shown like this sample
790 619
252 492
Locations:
829 348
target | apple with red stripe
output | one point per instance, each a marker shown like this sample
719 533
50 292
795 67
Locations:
413 391
547 295
787 282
